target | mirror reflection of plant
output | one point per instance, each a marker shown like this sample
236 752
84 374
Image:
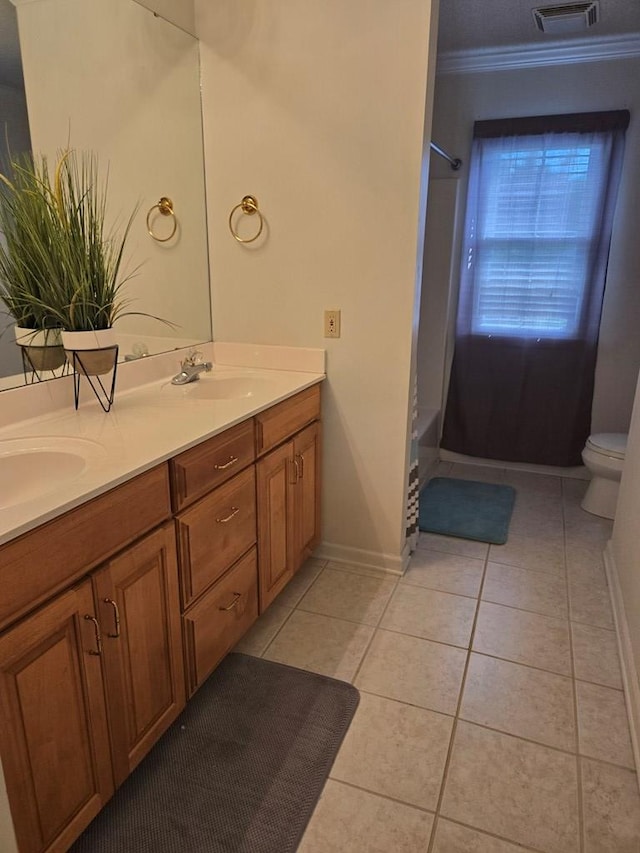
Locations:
30 229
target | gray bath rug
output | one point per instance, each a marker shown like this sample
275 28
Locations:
240 771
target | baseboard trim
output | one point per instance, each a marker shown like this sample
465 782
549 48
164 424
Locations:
625 649
364 559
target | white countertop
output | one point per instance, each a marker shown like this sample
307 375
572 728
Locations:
147 425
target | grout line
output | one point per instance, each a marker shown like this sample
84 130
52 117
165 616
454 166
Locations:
454 727
374 633
489 834
581 833
293 610
437 589
382 796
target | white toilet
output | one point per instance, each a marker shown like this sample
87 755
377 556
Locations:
603 455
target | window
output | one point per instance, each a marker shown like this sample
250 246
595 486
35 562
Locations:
538 225
540 207
535 232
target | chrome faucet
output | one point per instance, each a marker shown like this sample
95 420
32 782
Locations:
191 368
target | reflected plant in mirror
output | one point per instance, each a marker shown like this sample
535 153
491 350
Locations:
29 225
143 119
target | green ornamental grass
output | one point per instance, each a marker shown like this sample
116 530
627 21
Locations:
59 264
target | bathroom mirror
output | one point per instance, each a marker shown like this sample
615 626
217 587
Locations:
112 77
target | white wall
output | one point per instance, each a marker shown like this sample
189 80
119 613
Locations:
624 570
110 77
318 109
462 99
179 12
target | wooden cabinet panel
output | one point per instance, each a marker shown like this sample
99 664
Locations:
48 559
306 454
200 469
215 532
53 729
220 618
139 610
274 486
275 425
288 496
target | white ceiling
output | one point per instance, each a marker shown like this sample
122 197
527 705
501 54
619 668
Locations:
474 24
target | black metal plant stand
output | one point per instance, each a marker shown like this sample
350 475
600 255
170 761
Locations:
33 374
81 361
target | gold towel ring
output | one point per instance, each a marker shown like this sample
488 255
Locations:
249 205
165 207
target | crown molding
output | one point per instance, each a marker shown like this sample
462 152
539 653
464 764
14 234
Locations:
537 55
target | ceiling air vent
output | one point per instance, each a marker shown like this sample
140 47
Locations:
567 18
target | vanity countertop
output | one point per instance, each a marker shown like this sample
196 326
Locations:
147 425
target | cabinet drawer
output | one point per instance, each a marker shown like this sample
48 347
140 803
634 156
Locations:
213 533
216 623
45 560
195 472
278 423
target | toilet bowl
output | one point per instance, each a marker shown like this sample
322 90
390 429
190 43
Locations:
603 455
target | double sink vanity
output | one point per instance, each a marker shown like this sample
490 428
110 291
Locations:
138 547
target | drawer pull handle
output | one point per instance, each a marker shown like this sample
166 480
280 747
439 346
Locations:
236 598
96 628
116 616
234 511
232 461
293 463
300 459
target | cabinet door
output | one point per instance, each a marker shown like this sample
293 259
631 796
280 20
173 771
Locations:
275 475
306 450
139 609
53 729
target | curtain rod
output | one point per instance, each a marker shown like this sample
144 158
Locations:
455 161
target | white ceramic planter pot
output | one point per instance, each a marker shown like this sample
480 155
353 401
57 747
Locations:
96 350
43 347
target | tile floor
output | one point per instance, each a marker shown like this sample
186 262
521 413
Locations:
491 717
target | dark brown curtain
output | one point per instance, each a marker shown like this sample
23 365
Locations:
527 397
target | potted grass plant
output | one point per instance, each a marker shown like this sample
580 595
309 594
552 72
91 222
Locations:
84 294
29 225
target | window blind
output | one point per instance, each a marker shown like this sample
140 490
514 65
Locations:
537 230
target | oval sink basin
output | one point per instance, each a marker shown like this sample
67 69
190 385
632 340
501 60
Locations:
227 387
31 467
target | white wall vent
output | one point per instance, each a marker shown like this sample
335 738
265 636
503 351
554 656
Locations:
567 18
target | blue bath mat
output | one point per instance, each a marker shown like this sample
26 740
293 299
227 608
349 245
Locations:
466 509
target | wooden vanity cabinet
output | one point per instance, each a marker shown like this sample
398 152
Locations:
54 736
288 490
116 610
137 602
216 547
90 681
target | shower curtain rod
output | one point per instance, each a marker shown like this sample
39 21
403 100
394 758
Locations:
455 161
